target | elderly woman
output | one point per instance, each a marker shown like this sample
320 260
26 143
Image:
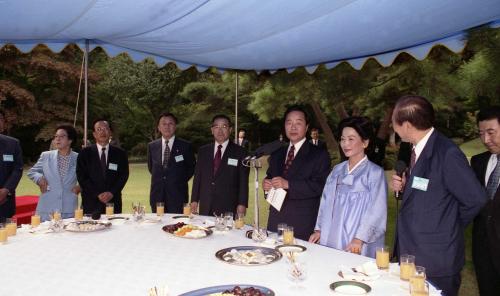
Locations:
353 210
55 174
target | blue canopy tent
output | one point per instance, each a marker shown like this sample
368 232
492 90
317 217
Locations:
247 34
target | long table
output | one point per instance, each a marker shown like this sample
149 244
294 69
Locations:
128 259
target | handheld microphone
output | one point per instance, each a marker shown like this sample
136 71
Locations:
400 167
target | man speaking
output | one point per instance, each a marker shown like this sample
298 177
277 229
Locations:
441 195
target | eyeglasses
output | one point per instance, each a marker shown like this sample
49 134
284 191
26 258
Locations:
222 127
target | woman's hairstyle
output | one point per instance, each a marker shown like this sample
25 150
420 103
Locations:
362 125
70 131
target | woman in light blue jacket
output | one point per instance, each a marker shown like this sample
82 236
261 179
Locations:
55 174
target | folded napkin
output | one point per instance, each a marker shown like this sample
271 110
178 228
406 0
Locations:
349 274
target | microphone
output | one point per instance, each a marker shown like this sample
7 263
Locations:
400 167
266 149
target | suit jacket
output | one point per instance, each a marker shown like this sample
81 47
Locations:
228 188
60 195
244 144
170 185
306 179
93 182
11 170
432 220
488 220
321 144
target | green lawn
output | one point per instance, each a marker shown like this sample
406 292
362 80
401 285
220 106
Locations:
137 189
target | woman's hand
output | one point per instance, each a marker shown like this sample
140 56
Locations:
314 238
355 246
76 190
43 184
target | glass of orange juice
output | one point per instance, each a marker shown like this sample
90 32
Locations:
420 291
160 209
288 236
3 234
406 267
110 209
56 215
240 220
417 279
382 257
78 214
11 225
187 209
35 220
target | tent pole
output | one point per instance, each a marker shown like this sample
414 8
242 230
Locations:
236 112
85 104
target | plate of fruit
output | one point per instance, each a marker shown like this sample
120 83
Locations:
184 230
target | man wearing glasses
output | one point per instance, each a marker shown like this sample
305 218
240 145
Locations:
220 180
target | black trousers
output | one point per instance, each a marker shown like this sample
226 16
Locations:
488 277
449 285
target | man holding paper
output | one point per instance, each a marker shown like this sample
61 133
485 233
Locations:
296 177
220 179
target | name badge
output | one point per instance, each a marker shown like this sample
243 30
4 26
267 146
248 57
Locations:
8 157
232 161
113 166
420 183
179 158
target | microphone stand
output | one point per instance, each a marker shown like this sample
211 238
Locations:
255 163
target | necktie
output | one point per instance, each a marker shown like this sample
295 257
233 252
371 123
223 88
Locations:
166 155
103 159
413 158
217 158
491 187
289 160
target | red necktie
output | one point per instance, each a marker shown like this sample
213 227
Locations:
413 158
217 158
289 160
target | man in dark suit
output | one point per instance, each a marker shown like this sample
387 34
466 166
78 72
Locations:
220 179
171 164
315 139
11 170
102 171
441 196
301 169
242 141
486 229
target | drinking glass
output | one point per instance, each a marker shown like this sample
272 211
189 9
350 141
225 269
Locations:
382 257
297 271
417 279
78 214
11 226
240 221
220 224
138 211
420 291
110 209
228 220
281 228
35 220
187 209
406 266
259 234
160 209
288 238
3 234
55 215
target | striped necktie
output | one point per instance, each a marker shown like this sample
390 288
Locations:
491 187
166 155
289 160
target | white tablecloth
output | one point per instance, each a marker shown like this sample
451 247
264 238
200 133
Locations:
128 259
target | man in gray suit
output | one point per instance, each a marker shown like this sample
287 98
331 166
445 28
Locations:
171 164
11 170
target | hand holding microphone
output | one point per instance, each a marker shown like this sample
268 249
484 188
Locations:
399 179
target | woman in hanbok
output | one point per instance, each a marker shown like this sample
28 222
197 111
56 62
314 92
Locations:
353 211
55 174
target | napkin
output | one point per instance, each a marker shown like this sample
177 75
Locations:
349 274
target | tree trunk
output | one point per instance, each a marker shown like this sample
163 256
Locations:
331 143
385 129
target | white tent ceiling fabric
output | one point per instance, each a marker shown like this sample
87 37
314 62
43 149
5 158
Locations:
247 34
